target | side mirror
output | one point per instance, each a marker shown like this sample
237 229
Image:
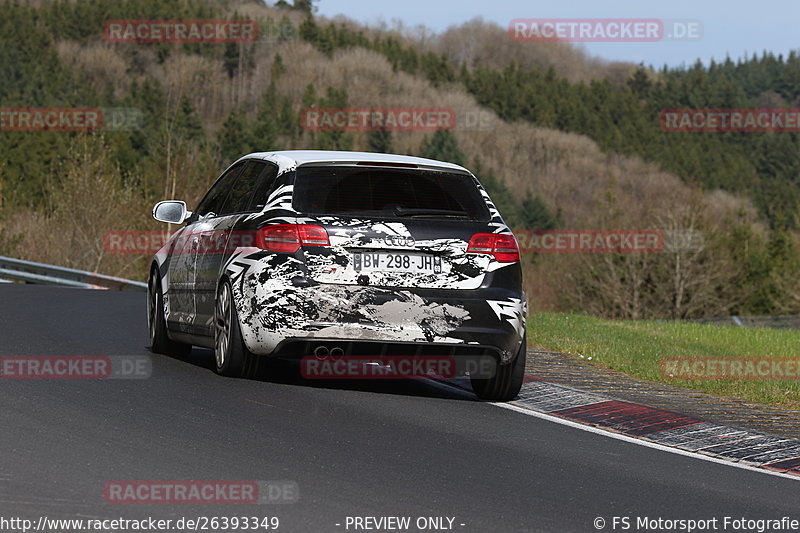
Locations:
171 211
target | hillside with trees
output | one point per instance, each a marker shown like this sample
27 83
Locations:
565 141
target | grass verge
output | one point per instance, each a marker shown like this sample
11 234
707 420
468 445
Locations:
637 348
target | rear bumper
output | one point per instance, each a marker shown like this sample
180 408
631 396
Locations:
279 320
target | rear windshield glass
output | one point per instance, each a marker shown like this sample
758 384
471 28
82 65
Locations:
387 193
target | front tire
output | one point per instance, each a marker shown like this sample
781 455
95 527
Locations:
159 340
231 356
507 380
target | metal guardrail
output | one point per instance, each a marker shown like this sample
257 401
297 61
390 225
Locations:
30 272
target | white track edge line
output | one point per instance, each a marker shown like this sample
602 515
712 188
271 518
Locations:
634 440
621 436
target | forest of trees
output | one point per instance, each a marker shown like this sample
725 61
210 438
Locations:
203 105
624 118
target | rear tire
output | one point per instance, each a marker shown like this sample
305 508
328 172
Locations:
231 356
507 380
159 340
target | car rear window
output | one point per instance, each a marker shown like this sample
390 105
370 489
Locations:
380 191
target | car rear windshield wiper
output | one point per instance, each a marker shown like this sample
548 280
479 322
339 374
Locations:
422 212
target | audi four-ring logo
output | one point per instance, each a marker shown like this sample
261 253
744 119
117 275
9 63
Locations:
397 240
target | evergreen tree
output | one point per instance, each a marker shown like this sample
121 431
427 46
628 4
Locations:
187 123
379 141
306 6
288 123
535 215
444 147
333 140
286 30
309 98
231 59
639 82
234 140
278 67
265 132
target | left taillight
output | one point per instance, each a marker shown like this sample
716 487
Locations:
502 247
288 238
311 235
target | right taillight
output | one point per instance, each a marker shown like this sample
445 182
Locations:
287 238
502 247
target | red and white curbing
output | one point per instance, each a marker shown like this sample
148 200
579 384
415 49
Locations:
663 427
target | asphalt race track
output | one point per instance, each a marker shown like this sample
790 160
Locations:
414 448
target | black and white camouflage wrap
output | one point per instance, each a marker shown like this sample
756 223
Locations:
393 306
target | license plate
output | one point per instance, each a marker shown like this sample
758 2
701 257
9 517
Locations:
397 262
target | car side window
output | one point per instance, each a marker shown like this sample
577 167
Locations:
263 188
215 197
241 192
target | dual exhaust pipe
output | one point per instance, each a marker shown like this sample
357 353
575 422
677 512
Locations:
322 352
